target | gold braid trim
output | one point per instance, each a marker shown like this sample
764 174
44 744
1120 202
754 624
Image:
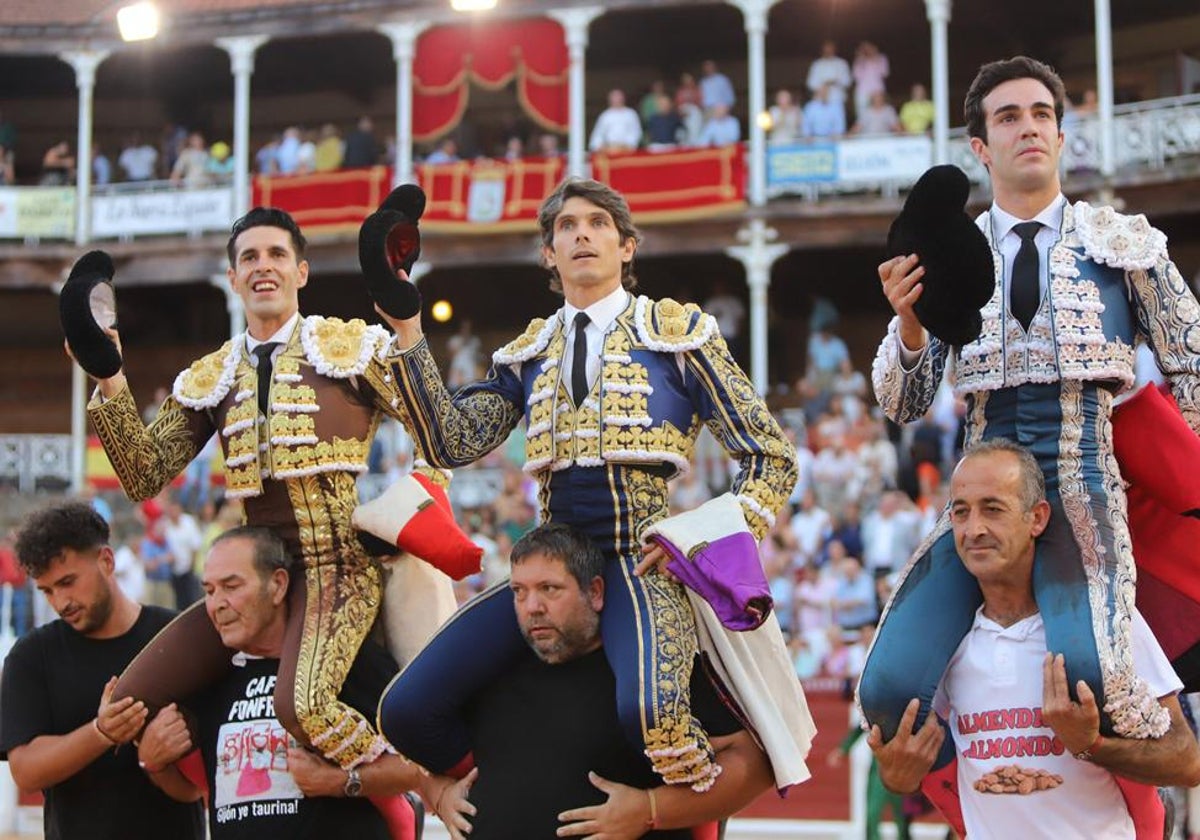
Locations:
143 459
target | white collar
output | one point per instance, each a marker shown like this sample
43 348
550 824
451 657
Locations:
281 335
1022 629
1051 216
603 312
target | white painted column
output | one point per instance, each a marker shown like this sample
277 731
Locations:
757 256
575 24
938 13
403 36
1104 88
755 14
84 63
233 304
241 49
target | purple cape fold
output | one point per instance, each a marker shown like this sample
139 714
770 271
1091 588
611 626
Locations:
726 573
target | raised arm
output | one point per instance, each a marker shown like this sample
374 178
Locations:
909 363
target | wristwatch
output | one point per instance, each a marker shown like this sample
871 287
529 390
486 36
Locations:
353 783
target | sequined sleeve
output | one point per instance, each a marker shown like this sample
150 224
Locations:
146 459
726 401
905 395
1169 317
454 430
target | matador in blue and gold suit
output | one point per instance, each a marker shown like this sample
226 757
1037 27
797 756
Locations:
1107 284
602 466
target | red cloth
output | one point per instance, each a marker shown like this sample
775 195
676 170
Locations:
10 570
533 52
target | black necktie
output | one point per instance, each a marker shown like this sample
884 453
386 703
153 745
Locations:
263 352
579 383
1025 293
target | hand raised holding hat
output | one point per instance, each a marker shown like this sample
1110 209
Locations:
389 243
942 272
87 308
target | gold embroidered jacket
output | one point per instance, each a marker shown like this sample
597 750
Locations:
665 370
296 470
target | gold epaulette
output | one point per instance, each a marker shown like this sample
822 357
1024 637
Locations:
528 344
208 379
340 349
672 327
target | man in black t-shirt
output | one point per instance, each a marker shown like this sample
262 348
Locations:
546 738
261 784
59 730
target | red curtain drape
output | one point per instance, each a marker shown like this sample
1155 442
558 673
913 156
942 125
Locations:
449 58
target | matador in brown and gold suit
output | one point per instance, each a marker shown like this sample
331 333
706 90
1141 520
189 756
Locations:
295 436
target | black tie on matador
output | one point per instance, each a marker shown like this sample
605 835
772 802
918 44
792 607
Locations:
1026 292
579 385
263 352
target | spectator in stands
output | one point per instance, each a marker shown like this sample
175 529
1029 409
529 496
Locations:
722 128
306 154
648 107
287 156
14 577
890 534
171 144
688 92
853 596
916 115
101 168
514 148
832 70
362 149
220 163
827 353
446 152
330 149
7 178
618 127
787 119
878 117
688 492
266 160
1089 105
58 166
548 145
138 159
835 474
191 167
664 127
870 73
824 117
715 89
813 600
811 526
183 537
156 560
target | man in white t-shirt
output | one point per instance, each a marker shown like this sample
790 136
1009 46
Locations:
1031 761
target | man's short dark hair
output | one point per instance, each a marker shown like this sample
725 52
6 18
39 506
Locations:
269 551
991 76
266 217
581 556
49 532
1033 481
604 197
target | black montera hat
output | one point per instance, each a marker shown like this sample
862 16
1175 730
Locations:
959 274
86 306
389 241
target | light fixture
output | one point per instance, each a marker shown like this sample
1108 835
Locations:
138 21
442 311
764 120
472 5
